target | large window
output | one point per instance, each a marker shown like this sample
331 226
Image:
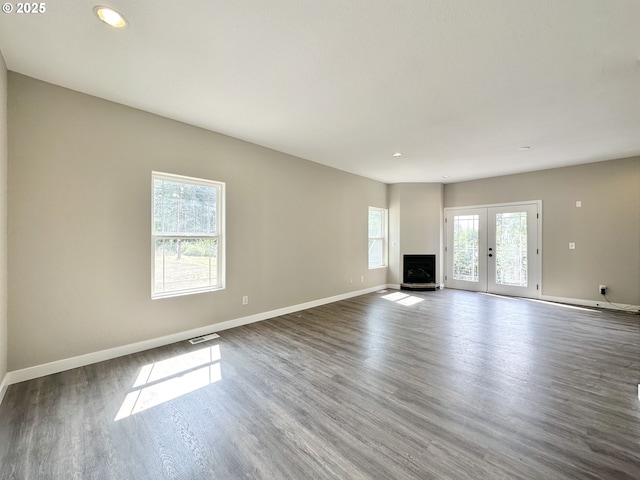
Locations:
187 235
377 237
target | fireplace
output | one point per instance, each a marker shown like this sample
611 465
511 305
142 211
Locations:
419 272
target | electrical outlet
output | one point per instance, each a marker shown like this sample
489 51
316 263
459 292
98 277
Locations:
245 300
351 281
603 289
361 278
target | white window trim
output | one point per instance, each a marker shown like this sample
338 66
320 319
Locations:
220 229
384 238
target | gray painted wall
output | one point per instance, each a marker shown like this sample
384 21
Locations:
3 218
79 225
415 225
606 229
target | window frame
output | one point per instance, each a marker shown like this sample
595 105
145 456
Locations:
219 235
384 238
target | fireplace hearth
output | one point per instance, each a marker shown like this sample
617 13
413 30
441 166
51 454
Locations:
419 272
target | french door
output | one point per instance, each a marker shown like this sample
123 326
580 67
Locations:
494 249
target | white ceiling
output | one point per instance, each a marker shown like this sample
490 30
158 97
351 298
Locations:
456 86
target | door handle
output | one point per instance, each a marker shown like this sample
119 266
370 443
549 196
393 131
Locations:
490 250
491 254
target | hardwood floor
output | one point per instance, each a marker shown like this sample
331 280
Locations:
458 385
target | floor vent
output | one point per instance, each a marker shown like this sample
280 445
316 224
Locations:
204 338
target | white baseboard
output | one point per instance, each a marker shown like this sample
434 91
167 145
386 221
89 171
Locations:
592 303
4 385
37 371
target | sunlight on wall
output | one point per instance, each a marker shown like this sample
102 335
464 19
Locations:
166 380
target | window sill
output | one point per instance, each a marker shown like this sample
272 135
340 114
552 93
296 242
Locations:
184 293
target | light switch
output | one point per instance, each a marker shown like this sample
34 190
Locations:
572 245
579 203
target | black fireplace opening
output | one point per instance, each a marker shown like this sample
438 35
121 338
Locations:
420 269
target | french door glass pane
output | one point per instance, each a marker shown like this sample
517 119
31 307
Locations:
465 247
511 249
185 264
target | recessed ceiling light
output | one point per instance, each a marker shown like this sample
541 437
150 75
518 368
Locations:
397 154
110 16
522 149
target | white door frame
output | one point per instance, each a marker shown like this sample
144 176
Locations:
482 285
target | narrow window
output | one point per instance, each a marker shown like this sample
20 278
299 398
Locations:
186 235
377 237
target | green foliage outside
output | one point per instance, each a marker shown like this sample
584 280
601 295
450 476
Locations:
180 211
465 248
511 249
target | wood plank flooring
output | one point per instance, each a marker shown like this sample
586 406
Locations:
457 385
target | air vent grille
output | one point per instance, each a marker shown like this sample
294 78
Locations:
203 338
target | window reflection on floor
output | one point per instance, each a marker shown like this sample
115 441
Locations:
168 379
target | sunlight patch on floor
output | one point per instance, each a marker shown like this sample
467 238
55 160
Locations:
169 379
403 298
506 297
563 305
546 302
